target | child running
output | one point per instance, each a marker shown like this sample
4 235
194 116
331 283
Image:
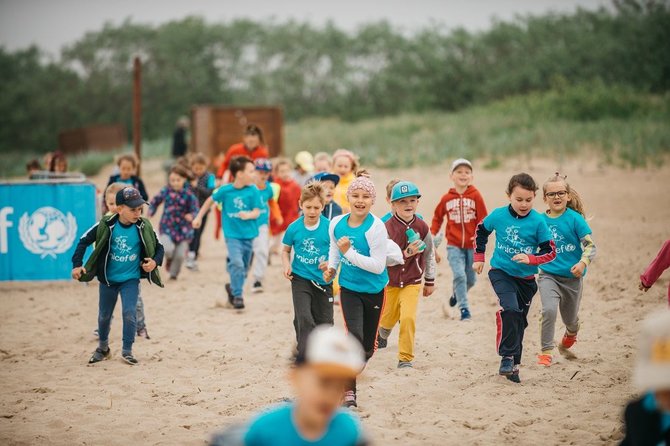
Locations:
309 240
269 212
345 163
127 165
523 241
126 249
402 293
464 207
329 182
203 184
322 162
656 268
561 281
241 207
289 195
359 241
175 229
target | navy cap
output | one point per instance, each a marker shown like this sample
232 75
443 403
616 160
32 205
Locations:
325 176
129 196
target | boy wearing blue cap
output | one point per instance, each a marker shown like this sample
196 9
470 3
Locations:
413 236
329 181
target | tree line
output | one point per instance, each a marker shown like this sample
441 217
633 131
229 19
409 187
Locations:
324 71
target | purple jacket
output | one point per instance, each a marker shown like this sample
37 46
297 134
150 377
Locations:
177 205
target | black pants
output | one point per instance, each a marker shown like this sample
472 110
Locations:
194 246
362 312
515 295
312 306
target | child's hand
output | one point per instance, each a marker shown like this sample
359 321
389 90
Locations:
428 290
196 223
412 249
288 272
323 266
77 272
577 269
148 265
188 217
438 257
643 287
329 275
478 267
344 244
521 258
194 183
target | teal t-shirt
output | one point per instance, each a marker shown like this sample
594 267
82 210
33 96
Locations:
516 236
352 277
388 216
276 427
310 247
233 201
124 253
567 231
266 195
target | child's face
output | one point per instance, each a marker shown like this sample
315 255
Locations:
110 201
252 141
176 181
322 166
198 169
262 176
128 215
126 169
312 209
342 165
360 202
556 196
61 166
328 188
317 396
405 207
462 176
247 175
521 200
284 172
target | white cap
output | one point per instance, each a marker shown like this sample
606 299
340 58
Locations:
305 160
460 162
333 352
652 371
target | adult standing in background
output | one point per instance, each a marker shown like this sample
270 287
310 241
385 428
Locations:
252 146
179 144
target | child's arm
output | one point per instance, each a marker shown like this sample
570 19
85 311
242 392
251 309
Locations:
656 267
193 208
438 218
197 221
481 238
250 215
286 262
87 239
333 253
275 212
429 275
588 254
156 201
546 253
376 261
141 189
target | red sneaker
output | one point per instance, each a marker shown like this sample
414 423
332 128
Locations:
568 340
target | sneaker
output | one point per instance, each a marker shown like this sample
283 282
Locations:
143 333
514 377
192 264
257 287
129 359
465 314
349 399
506 365
545 359
229 291
405 365
100 355
452 300
568 340
238 303
381 342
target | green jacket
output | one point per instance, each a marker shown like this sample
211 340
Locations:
100 234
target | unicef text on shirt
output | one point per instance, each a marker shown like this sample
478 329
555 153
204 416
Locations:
307 260
126 258
511 250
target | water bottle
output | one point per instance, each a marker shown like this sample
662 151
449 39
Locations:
413 236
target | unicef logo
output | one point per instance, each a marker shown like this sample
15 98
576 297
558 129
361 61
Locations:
47 232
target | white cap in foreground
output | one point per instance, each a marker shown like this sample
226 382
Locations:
652 371
460 162
333 352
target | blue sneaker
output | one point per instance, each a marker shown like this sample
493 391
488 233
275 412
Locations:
506 366
465 314
452 300
514 377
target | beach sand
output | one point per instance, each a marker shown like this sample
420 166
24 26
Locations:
206 367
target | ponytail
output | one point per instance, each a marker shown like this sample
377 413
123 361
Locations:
575 203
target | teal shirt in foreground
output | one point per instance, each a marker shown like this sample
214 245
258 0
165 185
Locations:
310 247
125 250
277 428
233 201
567 231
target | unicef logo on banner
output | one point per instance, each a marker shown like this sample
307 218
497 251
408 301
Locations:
47 232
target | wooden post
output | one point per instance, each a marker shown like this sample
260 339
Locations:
137 110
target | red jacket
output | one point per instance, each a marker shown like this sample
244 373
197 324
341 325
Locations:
240 150
289 196
657 266
415 267
463 212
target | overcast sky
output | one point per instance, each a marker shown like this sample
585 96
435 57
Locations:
50 24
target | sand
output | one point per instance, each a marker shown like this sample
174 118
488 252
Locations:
206 366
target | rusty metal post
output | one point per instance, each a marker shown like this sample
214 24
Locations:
137 110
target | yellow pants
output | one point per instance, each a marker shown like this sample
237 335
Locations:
401 304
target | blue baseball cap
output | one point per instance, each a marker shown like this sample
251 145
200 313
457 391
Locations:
325 176
404 189
263 164
129 196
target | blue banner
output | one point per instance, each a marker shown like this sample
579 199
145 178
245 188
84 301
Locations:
40 225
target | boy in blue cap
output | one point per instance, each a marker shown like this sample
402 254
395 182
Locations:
329 182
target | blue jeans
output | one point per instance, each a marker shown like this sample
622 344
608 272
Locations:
129 291
460 261
239 258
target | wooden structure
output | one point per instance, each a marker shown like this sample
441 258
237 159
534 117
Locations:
214 128
97 137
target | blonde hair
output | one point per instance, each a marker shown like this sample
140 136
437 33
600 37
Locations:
114 188
313 190
278 162
389 187
575 203
130 157
199 158
323 156
348 154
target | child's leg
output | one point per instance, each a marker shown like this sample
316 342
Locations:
470 275
178 257
261 248
129 291
526 289
373 306
303 321
550 295
509 319
140 310
409 300
194 246
322 304
570 301
106 304
236 268
352 312
247 255
457 262
168 246
391 314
